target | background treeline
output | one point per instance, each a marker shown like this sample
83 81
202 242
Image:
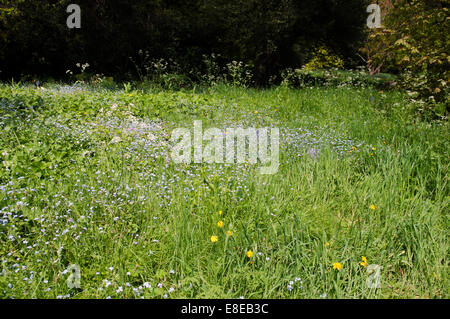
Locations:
244 42
266 35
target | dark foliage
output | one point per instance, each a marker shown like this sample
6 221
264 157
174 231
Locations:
268 35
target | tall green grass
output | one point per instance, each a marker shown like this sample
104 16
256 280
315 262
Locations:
131 218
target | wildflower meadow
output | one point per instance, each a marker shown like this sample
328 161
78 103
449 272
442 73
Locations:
93 205
183 151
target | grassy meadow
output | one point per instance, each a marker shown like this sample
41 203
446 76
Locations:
87 179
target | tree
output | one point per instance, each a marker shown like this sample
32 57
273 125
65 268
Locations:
414 42
269 35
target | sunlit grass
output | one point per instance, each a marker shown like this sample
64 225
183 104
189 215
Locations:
87 179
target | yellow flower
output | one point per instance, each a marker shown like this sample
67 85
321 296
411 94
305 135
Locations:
337 266
374 148
364 261
372 207
249 254
130 94
354 148
220 212
327 244
229 233
256 112
214 239
220 224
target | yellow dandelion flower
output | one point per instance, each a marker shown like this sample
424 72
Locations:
220 212
214 239
229 233
256 112
372 207
364 261
220 224
130 94
374 148
337 266
249 254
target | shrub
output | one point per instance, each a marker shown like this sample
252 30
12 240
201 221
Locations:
324 59
336 78
239 74
414 40
428 91
214 73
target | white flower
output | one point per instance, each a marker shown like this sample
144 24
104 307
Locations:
116 139
147 285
